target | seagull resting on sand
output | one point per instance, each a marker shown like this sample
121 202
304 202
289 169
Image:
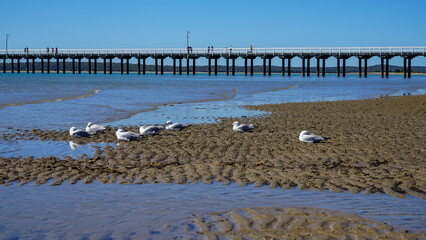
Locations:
175 126
127 136
94 127
305 136
237 127
75 132
150 130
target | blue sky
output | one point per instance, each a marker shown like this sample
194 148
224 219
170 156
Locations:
163 24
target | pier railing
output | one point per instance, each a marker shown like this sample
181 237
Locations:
223 51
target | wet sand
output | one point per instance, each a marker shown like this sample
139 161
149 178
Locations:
373 146
292 223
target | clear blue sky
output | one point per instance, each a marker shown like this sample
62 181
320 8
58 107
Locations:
163 24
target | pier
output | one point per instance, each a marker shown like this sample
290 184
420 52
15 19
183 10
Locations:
45 57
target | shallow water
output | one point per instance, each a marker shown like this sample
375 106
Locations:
121 211
128 211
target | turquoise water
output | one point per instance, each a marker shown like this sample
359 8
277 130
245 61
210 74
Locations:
115 211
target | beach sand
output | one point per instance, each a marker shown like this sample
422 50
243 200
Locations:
372 146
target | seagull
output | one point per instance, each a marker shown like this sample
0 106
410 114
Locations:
150 130
237 127
75 132
127 136
94 127
175 126
305 136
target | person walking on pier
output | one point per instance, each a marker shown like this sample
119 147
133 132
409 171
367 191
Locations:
47 50
251 49
208 49
212 48
56 51
53 51
230 49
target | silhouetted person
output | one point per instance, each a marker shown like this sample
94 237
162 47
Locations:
208 49
47 49
56 50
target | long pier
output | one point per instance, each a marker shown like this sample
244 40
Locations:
191 55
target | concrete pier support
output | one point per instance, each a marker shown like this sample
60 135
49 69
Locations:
245 66
156 66
187 65
127 66
338 67
409 67
282 67
48 65
27 65
318 66
289 67
42 66
344 67
227 66
4 65
387 67
264 66
139 65
323 67
121 61
303 67
162 66
180 66
210 66
359 66
95 65
19 65
11 66
252 66
144 66
57 65
215 66
269 66
382 67
365 67
104 65
79 65
193 66
33 65
90 65
405 67
308 67
174 66
110 66
63 66
73 65
233 66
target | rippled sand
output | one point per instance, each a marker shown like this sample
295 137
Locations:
375 145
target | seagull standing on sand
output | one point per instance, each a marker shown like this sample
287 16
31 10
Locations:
305 136
150 130
175 126
75 132
127 136
94 127
237 127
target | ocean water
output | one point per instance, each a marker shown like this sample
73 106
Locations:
120 211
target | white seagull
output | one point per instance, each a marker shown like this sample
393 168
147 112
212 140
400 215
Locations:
237 127
175 126
150 130
127 136
305 136
75 132
94 127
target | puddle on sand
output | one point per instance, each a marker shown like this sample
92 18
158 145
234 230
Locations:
158 211
38 148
